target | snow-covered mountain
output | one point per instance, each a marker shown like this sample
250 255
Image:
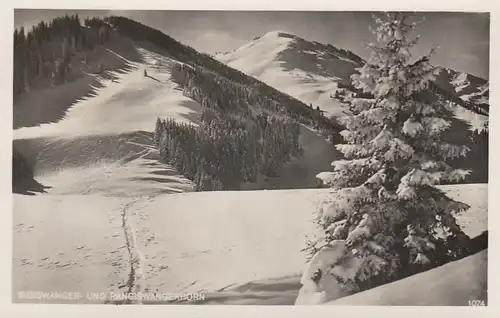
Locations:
311 72
308 71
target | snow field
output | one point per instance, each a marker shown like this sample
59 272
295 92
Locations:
68 243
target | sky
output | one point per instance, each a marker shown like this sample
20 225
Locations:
462 38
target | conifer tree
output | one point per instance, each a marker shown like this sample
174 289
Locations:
158 130
386 215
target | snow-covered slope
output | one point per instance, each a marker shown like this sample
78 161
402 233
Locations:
104 142
188 242
127 104
305 70
460 283
68 243
94 163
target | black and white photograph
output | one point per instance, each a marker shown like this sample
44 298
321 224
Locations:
287 158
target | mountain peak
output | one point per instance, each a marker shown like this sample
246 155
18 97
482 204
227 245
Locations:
279 34
274 35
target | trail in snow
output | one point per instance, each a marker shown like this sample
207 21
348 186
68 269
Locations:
136 257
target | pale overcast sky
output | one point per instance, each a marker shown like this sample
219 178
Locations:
463 38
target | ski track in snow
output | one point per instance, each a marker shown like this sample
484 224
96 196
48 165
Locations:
136 257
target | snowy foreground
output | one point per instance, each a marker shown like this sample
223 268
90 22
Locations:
184 242
178 243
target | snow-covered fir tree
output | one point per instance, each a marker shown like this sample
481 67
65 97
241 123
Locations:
386 215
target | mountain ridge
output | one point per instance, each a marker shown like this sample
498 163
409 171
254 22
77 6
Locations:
289 62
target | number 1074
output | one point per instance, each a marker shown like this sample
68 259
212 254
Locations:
476 303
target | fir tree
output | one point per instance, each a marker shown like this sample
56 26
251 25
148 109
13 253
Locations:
157 133
386 218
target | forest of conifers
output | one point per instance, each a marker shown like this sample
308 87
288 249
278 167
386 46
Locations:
42 55
239 138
